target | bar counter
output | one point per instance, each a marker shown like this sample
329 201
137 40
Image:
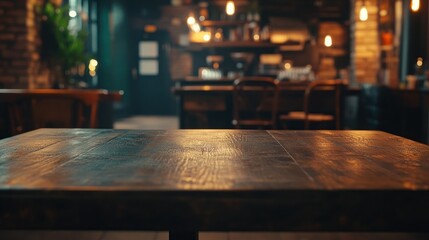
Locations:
210 105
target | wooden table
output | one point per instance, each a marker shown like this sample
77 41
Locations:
22 110
186 181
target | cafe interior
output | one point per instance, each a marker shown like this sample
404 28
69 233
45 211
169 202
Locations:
179 59
286 65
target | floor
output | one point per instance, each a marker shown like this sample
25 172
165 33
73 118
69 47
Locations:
114 235
148 122
169 122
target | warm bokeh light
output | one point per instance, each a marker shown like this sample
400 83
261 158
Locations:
419 62
150 28
91 67
415 5
72 13
207 36
218 35
230 8
92 73
383 12
328 41
195 27
363 13
191 20
256 37
288 66
93 62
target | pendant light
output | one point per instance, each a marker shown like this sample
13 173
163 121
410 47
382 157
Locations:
363 12
230 8
415 5
328 41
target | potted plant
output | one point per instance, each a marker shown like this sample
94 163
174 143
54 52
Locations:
63 49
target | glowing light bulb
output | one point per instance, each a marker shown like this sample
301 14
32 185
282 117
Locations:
328 41
93 62
415 5
230 8
363 13
419 62
190 20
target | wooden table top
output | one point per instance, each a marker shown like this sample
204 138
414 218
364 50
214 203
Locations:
11 94
213 180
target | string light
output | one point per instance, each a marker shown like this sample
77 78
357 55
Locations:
230 8
415 5
92 66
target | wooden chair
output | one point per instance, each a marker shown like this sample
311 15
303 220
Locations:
81 107
255 103
32 109
309 115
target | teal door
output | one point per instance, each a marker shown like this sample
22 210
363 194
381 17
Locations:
151 86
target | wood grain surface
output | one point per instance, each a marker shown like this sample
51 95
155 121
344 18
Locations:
211 180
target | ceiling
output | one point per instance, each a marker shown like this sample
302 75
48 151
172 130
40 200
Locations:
323 10
305 10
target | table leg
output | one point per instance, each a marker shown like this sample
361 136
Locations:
183 235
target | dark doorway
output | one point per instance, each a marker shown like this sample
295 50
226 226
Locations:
151 84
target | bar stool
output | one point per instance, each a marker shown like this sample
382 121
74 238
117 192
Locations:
308 116
255 103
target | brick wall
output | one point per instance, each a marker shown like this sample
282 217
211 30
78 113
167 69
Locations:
330 56
365 53
20 65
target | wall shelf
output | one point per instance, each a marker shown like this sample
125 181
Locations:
231 44
224 23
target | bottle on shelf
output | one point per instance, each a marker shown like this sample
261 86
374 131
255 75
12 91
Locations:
247 28
253 30
265 33
203 11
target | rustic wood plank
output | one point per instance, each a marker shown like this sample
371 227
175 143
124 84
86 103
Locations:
174 160
213 180
50 235
45 152
214 236
128 235
359 159
138 235
254 236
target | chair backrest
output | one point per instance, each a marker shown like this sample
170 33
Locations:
333 86
81 108
255 102
32 109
